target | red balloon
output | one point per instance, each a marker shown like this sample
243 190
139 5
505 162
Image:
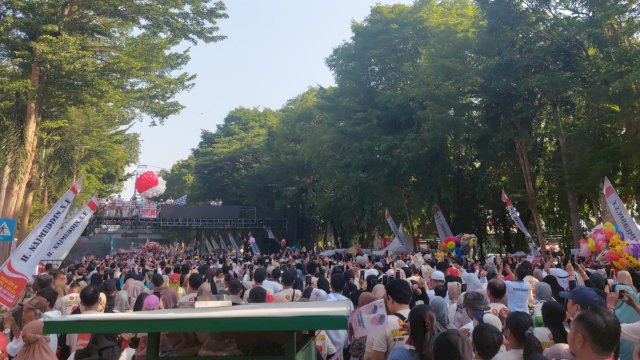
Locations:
146 181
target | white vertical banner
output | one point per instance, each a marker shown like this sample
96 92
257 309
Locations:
394 228
214 244
223 245
234 244
623 219
513 213
444 231
70 232
17 271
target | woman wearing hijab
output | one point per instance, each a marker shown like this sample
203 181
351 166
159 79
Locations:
36 344
121 302
134 288
555 287
441 309
543 294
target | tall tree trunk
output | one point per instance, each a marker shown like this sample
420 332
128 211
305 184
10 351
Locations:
15 188
595 205
523 159
414 245
4 181
13 198
572 199
26 206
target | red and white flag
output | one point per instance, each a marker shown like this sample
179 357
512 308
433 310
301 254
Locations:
623 219
70 232
514 215
17 271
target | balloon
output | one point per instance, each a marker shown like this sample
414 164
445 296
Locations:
585 251
608 227
150 185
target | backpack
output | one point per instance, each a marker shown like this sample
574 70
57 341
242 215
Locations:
101 346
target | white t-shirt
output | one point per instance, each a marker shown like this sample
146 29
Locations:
495 308
67 303
285 295
188 298
518 295
543 335
392 335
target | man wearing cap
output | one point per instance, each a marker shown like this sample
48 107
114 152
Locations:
579 299
437 278
475 305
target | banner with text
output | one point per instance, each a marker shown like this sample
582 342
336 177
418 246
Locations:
20 267
623 219
394 228
514 215
70 232
444 231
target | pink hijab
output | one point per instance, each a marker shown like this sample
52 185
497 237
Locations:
36 344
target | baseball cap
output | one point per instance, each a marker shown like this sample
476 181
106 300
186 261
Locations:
581 295
437 275
475 301
454 272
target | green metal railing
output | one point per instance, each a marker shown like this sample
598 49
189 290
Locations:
289 319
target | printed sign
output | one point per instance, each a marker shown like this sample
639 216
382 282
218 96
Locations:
368 318
7 228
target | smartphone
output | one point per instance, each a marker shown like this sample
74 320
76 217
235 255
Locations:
385 279
621 294
398 274
463 288
307 280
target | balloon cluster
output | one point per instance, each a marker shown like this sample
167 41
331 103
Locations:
459 245
150 185
606 242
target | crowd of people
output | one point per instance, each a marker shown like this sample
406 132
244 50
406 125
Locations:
497 308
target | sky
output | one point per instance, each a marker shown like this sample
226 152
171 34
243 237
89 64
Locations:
275 50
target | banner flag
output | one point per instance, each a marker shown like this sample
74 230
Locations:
207 245
223 245
70 232
254 247
17 271
234 244
623 219
444 231
513 213
214 244
394 228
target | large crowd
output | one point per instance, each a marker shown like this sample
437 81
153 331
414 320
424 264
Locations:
494 308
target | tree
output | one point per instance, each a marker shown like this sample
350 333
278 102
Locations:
119 56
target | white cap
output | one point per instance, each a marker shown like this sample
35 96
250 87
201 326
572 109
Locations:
437 275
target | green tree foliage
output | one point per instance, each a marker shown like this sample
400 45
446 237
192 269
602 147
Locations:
445 102
66 66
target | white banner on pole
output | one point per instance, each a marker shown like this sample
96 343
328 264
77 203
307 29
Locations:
17 271
394 228
70 232
623 219
444 231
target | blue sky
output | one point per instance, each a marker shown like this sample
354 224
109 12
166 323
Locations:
275 50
